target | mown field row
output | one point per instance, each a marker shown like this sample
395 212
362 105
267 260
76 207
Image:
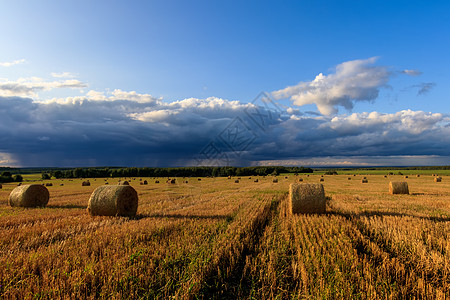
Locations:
215 238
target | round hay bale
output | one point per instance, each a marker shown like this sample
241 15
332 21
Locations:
19 184
385 176
145 182
306 198
256 180
229 177
141 183
364 180
30 195
321 179
62 184
300 179
106 182
1 186
236 181
113 200
406 176
86 183
49 184
437 179
275 180
285 177
199 179
398 187
349 178
125 183
156 181
418 175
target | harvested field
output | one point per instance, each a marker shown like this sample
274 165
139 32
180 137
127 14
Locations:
217 239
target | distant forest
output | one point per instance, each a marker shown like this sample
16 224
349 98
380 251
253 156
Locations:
8 174
175 172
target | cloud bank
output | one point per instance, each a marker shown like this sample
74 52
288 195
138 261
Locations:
110 130
126 128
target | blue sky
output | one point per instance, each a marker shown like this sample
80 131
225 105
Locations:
152 83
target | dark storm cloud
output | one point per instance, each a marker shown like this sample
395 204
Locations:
86 132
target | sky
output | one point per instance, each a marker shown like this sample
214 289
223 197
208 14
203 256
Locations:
243 83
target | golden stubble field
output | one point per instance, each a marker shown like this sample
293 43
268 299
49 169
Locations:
214 238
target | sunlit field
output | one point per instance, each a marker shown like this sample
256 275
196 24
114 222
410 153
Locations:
214 238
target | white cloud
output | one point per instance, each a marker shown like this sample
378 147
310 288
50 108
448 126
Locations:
12 63
411 72
353 81
32 85
408 121
63 75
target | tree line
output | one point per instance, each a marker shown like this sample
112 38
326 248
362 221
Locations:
173 172
6 176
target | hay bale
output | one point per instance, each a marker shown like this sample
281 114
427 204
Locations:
62 184
86 183
321 179
256 180
199 179
19 184
275 180
300 179
106 182
398 187
306 198
172 181
349 178
113 200
406 176
364 180
229 177
156 181
49 184
437 179
236 181
31 195
125 183
1 186
285 177
145 182
418 175
385 176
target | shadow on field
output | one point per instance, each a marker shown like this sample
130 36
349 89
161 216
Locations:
385 214
67 206
180 216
